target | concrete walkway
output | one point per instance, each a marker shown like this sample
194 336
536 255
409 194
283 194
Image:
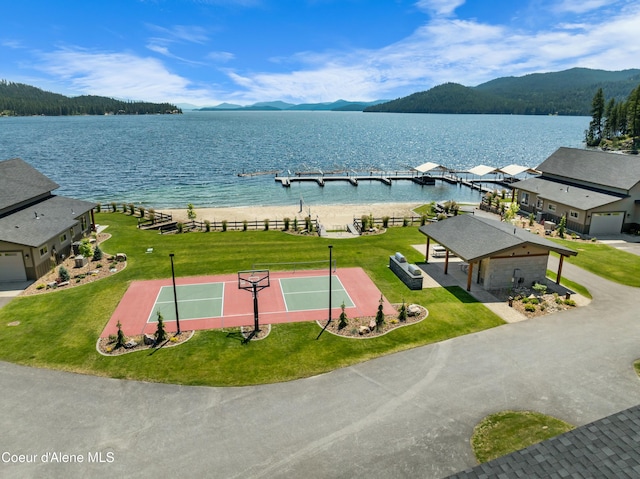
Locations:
405 415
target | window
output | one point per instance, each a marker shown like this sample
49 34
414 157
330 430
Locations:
551 207
574 215
63 238
44 250
525 198
540 203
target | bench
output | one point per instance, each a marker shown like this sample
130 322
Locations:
409 274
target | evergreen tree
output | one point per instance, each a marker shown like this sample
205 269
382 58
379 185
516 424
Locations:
562 227
402 314
594 134
161 334
343 318
97 253
121 340
379 316
64 274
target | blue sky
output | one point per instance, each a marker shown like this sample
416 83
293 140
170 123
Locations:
205 52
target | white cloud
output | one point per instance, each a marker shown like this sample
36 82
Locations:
440 8
120 75
580 6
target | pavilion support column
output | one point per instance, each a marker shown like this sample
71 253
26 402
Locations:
446 262
469 276
559 275
426 252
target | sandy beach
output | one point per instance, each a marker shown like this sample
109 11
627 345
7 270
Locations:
328 215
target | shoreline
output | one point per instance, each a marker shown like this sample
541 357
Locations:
328 215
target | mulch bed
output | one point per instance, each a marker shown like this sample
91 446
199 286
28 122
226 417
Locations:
106 346
92 271
391 322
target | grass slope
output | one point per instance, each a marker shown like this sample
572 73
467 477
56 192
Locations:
59 330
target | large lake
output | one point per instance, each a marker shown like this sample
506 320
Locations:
171 160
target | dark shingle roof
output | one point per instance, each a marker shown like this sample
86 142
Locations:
20 182
473 238
609 447
597 167
580 198
37 224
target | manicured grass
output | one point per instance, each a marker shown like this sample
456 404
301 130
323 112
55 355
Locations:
59 329
636 366
603 260
509 431
578 288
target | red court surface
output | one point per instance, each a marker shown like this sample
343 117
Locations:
138 302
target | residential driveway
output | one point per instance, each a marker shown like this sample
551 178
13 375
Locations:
8 291
405 415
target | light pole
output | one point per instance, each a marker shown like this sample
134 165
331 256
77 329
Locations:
329 321
175 294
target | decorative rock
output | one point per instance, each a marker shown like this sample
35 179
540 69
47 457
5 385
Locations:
413 310
130 344
363 330
149 340
121 257
372 324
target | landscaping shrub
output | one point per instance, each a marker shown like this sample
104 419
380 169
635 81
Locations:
120 338
244 225
97 254
224 225
385 222
207 226
530 307
402 314
569 302
266 225
63 273
343 322
286 223
161 334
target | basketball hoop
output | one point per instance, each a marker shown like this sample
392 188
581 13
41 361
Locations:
254 280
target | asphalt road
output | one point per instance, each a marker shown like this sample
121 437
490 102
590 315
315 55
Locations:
405 415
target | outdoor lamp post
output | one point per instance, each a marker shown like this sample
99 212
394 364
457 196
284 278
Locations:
175 294
330 264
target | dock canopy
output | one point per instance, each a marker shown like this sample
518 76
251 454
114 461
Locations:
426 167
482 170
514 170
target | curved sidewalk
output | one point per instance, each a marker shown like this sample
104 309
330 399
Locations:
405 415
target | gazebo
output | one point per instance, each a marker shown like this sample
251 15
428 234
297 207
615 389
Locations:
501 255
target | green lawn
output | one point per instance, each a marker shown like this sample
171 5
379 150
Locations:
59 330
572 285
509 431
606 261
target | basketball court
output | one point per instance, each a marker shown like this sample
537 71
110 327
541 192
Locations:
227 301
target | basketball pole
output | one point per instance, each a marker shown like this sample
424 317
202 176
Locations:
175 294
329 321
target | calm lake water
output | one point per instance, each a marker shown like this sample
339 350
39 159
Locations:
169 161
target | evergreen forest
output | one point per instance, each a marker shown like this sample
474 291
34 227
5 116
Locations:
17 99
568 92
615 124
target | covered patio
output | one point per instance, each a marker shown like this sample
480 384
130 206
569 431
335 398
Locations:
498 255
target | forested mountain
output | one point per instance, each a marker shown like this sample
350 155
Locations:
17 99
567 92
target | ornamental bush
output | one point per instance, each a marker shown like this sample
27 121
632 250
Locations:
64 274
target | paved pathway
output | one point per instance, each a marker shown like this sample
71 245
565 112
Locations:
404 415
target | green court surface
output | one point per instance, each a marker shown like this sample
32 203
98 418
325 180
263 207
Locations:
195 301
311 293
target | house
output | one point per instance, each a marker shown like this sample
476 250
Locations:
597 192
37 228
499 255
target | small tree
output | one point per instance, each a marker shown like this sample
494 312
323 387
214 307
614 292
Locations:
224 225
97 253
98 207
295 224
385 222
191 213
132 209
244 225
286 223
120 340
402 314
540 288
511 212
343 318
207 225
180 227
161 334
379 316
364 219
152 215
63 273
562 227
266 224
532 219
114 206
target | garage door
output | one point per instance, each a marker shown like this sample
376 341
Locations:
12 267
606 223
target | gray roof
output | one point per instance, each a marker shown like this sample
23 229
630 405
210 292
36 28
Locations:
580 198
473 238
54 217
20 182
597 167
609 447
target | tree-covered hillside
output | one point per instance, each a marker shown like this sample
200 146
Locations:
17 99
567 92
